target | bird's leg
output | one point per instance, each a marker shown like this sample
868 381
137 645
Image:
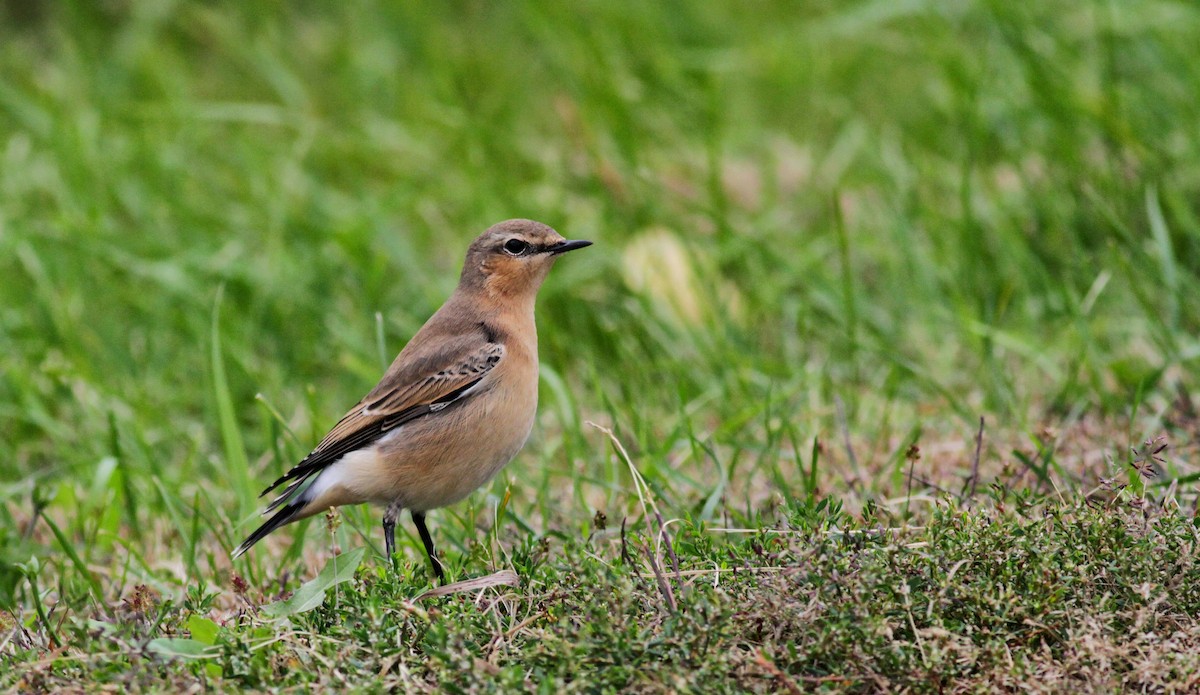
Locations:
423 530
389 530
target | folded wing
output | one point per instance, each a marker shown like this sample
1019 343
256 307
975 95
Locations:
411 389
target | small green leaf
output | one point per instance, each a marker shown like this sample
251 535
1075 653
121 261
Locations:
312 593
203 630
307 597
180 648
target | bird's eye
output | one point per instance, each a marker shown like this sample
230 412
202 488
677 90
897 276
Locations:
515 247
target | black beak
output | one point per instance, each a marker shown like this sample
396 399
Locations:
564 246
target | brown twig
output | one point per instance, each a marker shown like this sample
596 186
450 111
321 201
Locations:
625 557
663 587
494 643
662 529
784 679
975 461
908 489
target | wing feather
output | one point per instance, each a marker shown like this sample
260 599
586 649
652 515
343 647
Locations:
411 389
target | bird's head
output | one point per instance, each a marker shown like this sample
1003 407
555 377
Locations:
512 258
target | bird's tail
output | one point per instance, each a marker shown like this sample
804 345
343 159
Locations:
285 515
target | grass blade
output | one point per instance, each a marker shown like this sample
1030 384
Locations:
237 466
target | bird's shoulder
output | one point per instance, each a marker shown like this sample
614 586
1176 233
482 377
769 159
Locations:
442 352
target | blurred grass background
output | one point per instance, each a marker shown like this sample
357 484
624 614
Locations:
874 219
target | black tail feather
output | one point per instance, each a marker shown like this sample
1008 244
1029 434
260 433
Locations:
286 515
284 496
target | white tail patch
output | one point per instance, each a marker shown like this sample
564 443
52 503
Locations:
347 473
339 474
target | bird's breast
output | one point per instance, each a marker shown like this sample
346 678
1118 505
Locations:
441 458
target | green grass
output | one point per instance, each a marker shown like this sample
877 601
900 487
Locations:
829 238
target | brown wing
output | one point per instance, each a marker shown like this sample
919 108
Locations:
412 388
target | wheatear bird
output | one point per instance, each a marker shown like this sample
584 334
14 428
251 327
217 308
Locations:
456 405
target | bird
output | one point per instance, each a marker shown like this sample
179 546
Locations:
454 407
